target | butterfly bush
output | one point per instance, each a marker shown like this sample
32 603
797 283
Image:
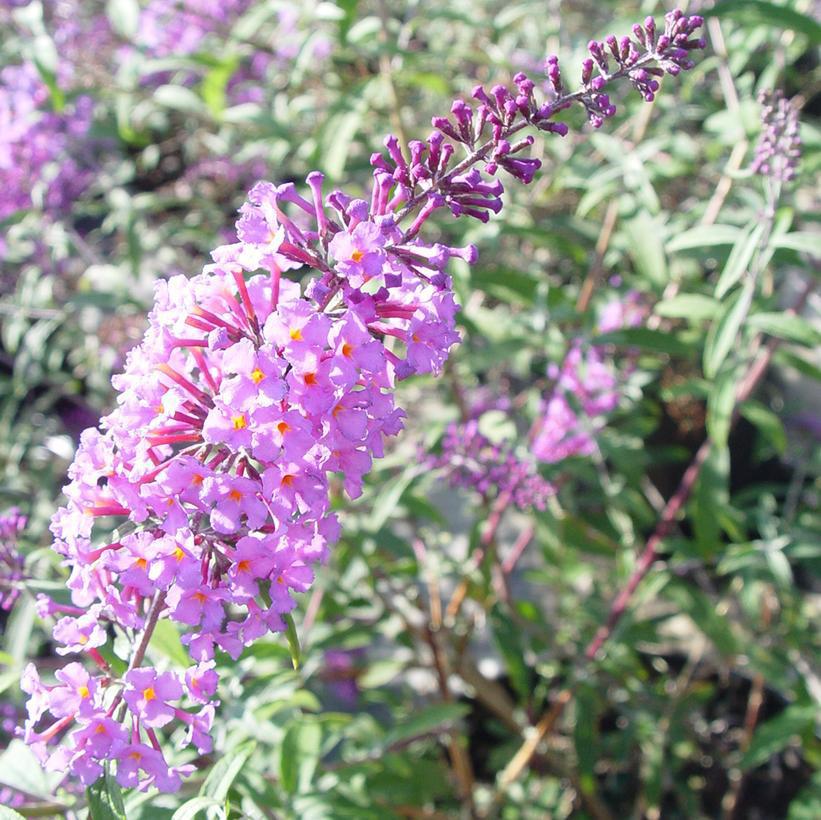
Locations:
248 396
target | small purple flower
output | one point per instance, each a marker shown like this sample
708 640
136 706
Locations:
147 694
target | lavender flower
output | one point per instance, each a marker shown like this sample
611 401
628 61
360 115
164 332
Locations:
779 146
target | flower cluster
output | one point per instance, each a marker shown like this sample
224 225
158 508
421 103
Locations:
40 158
472 461
12 564
246 396
586 389
779 146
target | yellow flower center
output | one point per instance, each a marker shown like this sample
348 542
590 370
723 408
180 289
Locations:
179 554
83 692
257 375
149 693
239 422
296 334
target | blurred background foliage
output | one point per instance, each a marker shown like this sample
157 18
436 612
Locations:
447 622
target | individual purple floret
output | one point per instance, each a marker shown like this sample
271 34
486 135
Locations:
12 563
779 146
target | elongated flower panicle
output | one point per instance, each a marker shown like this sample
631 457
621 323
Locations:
779 146
470 460
587 387
245 395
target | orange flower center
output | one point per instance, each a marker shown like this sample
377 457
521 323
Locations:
149 693
235 495
357 255
347 349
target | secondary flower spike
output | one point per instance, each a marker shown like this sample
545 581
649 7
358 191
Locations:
245 395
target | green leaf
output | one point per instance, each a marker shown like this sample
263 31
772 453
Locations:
767 423
646 247
388 499
166 640
299 755
225 771
191 808
424 722
19 769
497 426
739 259
806 805
292 637
720 404
214 84
724 330
801 241
692 306
758 12
105 800
655 341
771 737
704 236
703 612
180 99
785 326
709 496
124 16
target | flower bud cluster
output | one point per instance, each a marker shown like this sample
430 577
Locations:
245 398
586 388
471 460
12 563
779 146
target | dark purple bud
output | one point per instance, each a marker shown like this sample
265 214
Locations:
479 93
446 127
587 71
522 169
435 141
